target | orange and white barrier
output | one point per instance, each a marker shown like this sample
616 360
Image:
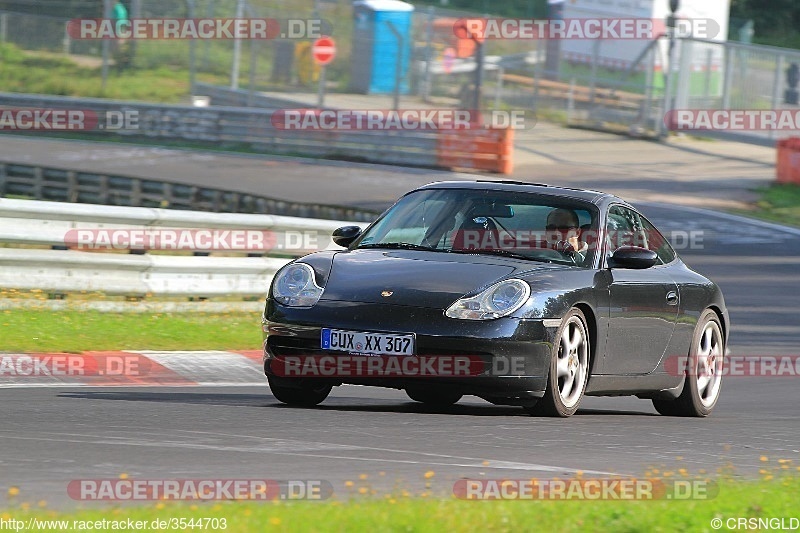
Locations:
489 149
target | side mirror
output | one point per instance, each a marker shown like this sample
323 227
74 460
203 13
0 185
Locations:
633 257
345 235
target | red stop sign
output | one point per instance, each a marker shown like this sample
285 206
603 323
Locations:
323 50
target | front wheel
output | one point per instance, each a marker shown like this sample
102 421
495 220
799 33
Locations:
304 395
569 368
703 374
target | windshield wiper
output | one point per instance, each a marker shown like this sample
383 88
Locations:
398 246
500 251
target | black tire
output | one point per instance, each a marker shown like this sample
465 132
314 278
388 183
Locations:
432 397
576 364
693 401
666 407
303 396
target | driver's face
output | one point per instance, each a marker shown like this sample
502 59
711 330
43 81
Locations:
561 225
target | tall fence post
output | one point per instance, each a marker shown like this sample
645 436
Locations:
498 92
727 77
237 49
65 43
192 49
106 43
398 69
776 88
427 82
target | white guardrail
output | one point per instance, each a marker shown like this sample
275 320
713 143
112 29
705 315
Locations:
30 222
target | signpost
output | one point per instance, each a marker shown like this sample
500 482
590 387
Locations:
323 51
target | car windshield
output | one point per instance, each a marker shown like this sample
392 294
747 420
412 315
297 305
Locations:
508 223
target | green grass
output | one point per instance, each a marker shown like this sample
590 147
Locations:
765 498
150 80
40 330
779 203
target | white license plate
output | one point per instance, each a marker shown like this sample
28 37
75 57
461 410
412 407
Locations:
367 342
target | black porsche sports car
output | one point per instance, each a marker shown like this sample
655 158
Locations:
519 294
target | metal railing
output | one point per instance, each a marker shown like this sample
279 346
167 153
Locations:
26 224
241 128
65 185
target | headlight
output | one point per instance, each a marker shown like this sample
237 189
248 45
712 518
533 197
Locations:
295 286
500 299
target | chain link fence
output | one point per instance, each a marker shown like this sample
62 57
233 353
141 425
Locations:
586 84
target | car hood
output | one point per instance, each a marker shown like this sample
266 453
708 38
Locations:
416 278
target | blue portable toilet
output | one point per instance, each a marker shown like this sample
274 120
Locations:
375 52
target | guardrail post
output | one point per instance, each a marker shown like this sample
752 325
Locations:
103 192
136 192
72 185
37 183
3 177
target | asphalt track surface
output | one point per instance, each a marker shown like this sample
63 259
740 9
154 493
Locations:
50 436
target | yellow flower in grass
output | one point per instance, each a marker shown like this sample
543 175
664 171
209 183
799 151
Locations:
13 491
275 521
429 474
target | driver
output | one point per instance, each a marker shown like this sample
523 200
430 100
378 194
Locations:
563 233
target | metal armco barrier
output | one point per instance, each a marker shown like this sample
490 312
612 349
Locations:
241 127
28 222
63 185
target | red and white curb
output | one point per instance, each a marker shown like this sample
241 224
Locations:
133 368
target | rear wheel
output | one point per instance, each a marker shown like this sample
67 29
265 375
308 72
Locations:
569 368
433 397
704 369
304 395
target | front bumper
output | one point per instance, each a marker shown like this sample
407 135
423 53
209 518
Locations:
515 352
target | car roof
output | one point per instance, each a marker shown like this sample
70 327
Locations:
594 197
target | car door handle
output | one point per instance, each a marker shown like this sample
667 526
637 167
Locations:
672 298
